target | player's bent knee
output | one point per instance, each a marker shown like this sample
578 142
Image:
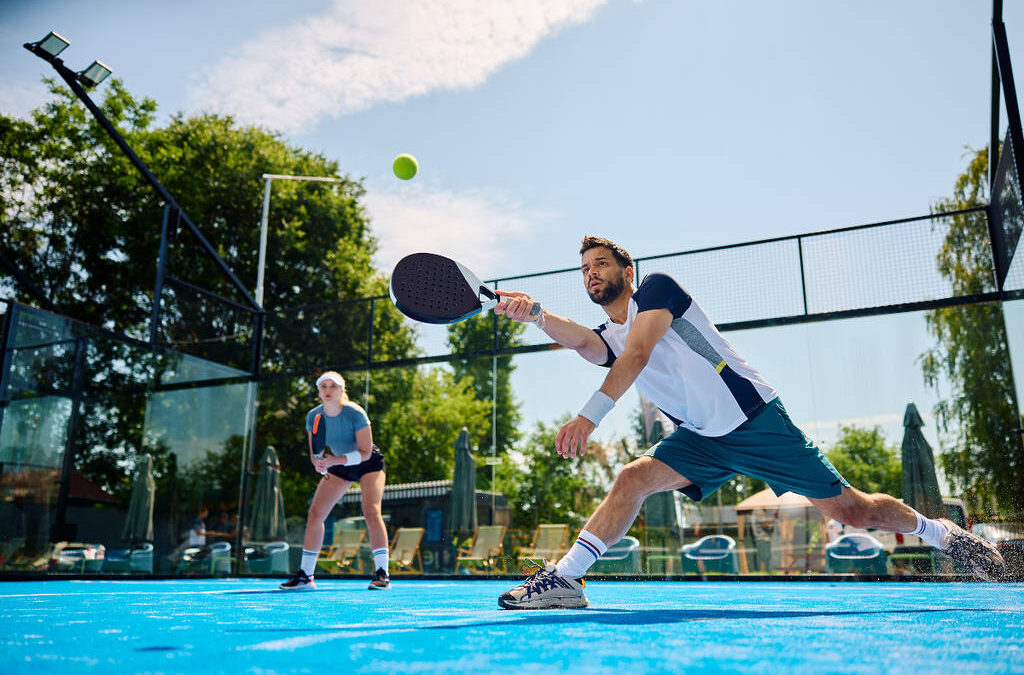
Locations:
633 479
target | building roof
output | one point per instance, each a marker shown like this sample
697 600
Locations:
427 488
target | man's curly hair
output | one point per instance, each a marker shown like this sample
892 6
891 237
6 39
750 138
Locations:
620 254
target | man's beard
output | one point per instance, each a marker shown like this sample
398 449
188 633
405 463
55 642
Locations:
608 292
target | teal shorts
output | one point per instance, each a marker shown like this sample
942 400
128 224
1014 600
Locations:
768 447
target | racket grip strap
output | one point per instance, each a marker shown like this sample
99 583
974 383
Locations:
599 405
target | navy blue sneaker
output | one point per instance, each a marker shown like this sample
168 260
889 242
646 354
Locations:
380 581
546 589
298 581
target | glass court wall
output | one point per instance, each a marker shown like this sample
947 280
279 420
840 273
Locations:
840 332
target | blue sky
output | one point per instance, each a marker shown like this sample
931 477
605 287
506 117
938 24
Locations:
664 124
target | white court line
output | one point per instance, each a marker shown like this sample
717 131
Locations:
288 644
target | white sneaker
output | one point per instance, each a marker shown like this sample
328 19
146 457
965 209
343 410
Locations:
545 589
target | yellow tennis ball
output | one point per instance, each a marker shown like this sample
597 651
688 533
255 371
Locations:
405 166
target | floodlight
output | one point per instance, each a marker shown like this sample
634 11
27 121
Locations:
49 47
94 74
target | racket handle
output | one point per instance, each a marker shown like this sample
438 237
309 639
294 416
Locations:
534 311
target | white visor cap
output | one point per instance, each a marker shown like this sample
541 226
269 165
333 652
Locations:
333 377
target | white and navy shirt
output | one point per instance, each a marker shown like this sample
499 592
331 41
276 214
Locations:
694 375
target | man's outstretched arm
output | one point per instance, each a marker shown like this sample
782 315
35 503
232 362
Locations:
569 334
647 329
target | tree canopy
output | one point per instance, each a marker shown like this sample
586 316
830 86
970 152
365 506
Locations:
84 226
864 459
981 448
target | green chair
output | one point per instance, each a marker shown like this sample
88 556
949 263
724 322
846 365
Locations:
622 557
713 554
855 553
136 559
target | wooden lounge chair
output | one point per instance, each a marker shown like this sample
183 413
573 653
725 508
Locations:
343 554
405 551
484 555
549 543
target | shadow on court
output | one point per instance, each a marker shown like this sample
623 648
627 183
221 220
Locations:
300 594
630 617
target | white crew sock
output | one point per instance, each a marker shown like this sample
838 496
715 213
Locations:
308 564
930 530
380 559
581 556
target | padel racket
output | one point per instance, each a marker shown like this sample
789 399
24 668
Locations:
319 432
431 288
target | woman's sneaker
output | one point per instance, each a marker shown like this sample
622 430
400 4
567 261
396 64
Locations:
298 581
546 589
380 581
982 557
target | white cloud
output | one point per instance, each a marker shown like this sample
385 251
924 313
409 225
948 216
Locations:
478 230
361 52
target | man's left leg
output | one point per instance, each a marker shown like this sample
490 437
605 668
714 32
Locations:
637 481
858 509
560 586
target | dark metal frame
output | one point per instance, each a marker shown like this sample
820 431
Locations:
174 215
805 317
1002 80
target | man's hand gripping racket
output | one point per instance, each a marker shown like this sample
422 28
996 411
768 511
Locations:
431 288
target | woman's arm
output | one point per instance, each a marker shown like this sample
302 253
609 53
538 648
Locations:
364 438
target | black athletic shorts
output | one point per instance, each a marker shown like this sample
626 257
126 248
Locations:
357 471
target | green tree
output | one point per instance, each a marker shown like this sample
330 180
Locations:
981 451
73 211
488 332
422 432
84 226
547 488
864 459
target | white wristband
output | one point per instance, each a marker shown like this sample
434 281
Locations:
599 405
352 458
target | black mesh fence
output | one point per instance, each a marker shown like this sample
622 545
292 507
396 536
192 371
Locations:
871 269
1007 217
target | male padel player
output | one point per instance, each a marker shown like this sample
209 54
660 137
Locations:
342 427
730 421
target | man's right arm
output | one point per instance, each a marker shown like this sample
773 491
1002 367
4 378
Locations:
582 340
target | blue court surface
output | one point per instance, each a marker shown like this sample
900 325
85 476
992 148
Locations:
235 625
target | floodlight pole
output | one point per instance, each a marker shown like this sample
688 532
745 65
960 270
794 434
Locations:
269 178
71 78
993 143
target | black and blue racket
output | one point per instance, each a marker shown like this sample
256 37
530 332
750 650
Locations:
431 288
